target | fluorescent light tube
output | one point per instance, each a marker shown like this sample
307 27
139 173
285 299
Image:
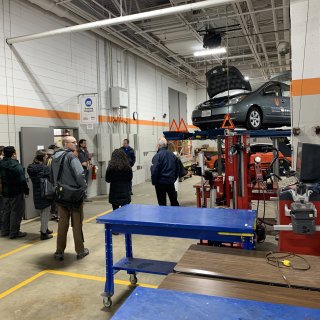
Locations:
210 51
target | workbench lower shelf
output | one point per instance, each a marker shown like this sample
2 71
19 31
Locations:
132 265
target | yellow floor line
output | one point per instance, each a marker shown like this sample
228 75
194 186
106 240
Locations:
76 275
22 284
69 274
95 278
2 256
7 254
98 215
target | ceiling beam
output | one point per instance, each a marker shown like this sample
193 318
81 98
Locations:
248 38
275 26
257 31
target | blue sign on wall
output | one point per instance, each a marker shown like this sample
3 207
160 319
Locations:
89 110
88 102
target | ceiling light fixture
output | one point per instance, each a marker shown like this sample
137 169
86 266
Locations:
246 78
208 52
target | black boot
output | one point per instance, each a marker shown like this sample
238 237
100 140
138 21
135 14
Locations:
49 231
45 236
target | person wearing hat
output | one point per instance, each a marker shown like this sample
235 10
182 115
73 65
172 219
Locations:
49 152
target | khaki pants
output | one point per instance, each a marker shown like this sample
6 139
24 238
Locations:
76 216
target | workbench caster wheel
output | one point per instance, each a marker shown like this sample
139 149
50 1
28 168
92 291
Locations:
107 302
133 279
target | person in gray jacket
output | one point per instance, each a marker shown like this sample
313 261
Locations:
72 175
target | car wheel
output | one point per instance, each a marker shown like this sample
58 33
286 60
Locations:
254 119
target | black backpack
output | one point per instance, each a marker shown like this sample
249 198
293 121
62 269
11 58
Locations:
66 195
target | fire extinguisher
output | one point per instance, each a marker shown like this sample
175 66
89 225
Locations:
94 172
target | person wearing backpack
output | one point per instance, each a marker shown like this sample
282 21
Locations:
38 171
68 178
14 188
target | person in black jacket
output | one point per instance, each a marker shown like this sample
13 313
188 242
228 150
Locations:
38 171
84 158
14 188
130 155
119 174
164 173
129 152
1 197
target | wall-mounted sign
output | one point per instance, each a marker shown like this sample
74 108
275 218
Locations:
88 109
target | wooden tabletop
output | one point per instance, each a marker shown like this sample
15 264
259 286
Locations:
241 290
247 265
199 185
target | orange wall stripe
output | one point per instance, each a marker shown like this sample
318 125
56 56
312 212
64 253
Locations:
131 121
305 87
42 113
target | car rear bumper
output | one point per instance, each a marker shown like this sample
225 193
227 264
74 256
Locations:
216 118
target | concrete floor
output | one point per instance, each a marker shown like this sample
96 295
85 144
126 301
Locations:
35 286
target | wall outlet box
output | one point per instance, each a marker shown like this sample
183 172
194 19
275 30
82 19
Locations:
119 98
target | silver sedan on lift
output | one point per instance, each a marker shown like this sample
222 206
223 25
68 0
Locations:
268 106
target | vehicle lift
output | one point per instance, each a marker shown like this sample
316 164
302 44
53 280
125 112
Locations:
241 182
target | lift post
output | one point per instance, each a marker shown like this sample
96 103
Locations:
239 190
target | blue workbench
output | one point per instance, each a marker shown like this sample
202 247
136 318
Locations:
150 304
225 225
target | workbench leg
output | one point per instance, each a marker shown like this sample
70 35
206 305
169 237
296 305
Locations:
128 238
109 286
198 193
248 243
128 245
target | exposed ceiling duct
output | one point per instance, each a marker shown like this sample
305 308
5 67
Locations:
115 38
169 41
116 21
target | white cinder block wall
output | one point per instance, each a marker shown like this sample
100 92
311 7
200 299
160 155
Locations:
51 73
305 88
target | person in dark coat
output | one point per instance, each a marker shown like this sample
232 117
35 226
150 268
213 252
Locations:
38 171
129 152
119 174
83 155
164 172
1 197
131 157
14 188
54 209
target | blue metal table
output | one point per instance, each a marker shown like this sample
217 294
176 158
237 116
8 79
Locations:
150 304
225 225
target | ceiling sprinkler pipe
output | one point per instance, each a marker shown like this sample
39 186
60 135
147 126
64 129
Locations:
120 20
